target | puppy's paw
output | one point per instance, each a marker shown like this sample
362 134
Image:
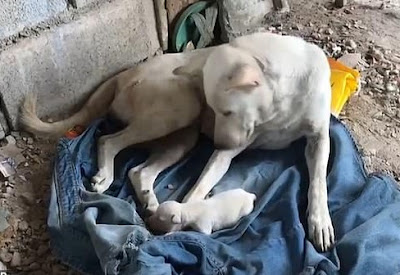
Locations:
100 183
320 229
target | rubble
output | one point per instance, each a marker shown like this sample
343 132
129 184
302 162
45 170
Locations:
24 242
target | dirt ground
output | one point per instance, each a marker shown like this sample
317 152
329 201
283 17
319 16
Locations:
370 28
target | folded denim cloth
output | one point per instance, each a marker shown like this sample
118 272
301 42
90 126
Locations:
104 233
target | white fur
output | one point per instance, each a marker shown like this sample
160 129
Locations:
220 211
259 91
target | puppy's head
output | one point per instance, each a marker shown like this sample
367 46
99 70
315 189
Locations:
247 201
236 89
167 218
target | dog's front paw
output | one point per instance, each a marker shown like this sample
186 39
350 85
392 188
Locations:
320 229
100 182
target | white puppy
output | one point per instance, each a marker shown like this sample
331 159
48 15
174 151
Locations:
220 211
259 91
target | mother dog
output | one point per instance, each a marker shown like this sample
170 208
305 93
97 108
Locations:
259 91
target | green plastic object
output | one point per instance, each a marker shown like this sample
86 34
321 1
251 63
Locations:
185 28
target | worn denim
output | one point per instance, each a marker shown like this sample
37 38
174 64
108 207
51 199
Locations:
104 233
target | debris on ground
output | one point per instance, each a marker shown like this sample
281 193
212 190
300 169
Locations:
357 35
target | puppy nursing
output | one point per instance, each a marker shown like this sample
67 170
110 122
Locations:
220 211
261 91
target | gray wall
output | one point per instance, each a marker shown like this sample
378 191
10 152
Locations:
66 61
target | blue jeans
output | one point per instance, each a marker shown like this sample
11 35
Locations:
105 233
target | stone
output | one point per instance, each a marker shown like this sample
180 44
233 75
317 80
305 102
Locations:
16 259
2 266
340 3
394 72
390 87
5 256
329 31
3 220
9 190
351 59
11 140
95 47
239 17
23 225
82 3
29 141
19 14
372 152
351 44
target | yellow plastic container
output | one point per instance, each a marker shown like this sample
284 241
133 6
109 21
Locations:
344 83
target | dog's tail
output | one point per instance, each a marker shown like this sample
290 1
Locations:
96 106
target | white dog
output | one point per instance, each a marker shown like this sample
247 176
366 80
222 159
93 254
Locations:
259 91
218 212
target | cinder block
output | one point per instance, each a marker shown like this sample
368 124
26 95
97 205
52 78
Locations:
65 64
15 15
239 17
82 3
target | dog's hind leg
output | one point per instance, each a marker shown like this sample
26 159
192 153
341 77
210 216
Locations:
165 152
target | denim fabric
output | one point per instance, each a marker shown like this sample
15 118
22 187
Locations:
104 233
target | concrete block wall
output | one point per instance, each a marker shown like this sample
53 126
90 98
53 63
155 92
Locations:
66 62
15 15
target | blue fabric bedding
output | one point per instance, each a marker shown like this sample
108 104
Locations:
104 233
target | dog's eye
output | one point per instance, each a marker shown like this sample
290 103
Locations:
227 113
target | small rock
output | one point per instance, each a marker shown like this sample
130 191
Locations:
16 259
297 27
3 220
11 140
316 36
394 72
340 3
372 152
9 190
351 59
351 44
5 256
367 161
30 140
329 31
377 54
23 225
390 87
2 266
11 179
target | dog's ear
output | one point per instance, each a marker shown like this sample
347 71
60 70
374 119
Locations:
194 69
244 77
176 219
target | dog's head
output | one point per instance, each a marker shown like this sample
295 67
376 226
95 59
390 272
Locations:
167 218
236 89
